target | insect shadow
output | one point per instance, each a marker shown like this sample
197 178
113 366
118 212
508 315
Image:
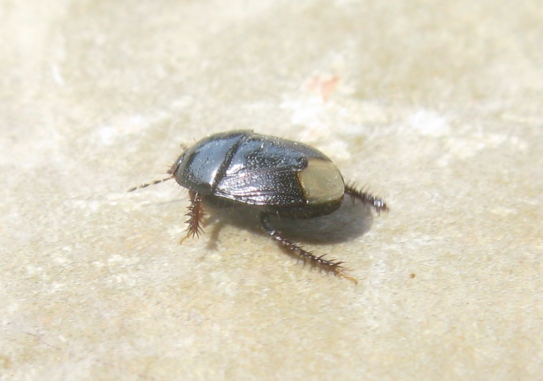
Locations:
351 220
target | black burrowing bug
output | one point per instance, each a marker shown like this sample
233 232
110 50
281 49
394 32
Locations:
271 175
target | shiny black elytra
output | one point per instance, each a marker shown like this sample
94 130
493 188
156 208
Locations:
272 175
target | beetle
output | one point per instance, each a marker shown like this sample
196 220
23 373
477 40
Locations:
272 175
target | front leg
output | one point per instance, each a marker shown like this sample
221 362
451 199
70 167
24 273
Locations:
329 266
195 215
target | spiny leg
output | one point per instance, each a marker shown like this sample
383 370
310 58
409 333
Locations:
367 199
195 216
329 266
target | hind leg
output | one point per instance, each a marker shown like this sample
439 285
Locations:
367 199
329 266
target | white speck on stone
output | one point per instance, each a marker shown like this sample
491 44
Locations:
467 147
126 125
429 123
57 75
107 135
304 112
503 211
338 148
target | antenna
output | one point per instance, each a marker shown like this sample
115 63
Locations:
151 183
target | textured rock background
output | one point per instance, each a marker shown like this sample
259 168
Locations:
437 107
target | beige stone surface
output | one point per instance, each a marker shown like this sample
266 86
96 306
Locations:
436 106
